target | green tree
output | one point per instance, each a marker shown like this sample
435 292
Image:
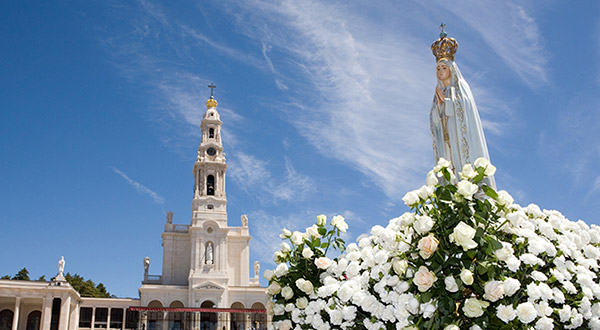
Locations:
87 288
22 275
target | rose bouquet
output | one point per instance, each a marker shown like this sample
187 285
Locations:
465 257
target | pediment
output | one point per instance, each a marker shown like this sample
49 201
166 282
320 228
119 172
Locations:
209 286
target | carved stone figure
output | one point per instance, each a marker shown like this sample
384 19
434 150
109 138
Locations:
146 264
61 266
209 253
169 217
455 124
244 220
256 268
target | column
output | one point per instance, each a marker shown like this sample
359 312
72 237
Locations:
74 321
93 318
124 319
166 320
65 308
46 312
15 321
108 319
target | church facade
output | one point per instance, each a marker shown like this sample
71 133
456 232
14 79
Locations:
206 281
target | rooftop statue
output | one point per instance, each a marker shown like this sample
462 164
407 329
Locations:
455 124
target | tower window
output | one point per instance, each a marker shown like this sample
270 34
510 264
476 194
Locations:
210 185
211 133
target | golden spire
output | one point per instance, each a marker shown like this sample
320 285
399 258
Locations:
444 48
211 103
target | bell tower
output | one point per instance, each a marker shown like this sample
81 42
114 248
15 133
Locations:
210 201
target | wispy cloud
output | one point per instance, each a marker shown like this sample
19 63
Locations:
372 95
251 174
140 188
510 31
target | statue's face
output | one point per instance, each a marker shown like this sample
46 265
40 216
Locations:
443 71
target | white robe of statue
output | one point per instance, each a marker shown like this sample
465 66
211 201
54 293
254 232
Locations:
455 124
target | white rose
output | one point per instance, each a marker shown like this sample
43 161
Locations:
321 220
494 290
450 283
545 323
273 289
307 252
279 257
339 222
268 274
285 247
284 325
411 198
467 189
423 224
468 172
481 162
452 327
431 179
506 313
505 252
442 163
285 233
400 266
407 219
304 285
526 312
287 292
278 309
281 270
490 170
463 235
474 307
323 262
466 277
313 231
425 191
427 246
427 309
511 286
504 198
424 279
513 263
297 237
301 302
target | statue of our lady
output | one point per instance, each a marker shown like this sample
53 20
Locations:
455 124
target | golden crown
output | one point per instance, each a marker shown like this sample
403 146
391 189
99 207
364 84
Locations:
211 103
444 47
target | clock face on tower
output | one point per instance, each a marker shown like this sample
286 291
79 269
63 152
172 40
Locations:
211 151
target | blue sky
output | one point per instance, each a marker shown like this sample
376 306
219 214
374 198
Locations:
325 109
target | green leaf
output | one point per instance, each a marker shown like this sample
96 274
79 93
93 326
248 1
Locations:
489 191
316 242
425 297
322 231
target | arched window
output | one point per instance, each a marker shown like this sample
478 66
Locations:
258 320
208 320
33 320
237 320
155 319
6 318
209 254
211 133
210 185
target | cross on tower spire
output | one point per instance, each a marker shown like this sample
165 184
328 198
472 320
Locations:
212 87
443 30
